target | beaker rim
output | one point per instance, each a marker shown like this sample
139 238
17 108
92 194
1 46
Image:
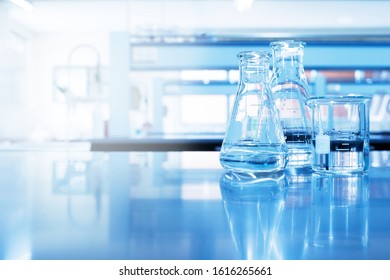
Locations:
350 98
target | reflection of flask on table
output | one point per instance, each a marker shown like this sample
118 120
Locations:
290 90
254 140
290 242
253 208
339 219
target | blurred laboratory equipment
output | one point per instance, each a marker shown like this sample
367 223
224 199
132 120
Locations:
339 215
380 113
290 91
82 85
254 140
340 140
253 207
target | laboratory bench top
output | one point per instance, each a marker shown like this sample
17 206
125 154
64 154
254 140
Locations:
74 205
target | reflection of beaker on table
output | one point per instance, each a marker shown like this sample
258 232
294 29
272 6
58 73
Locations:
253 207
340 211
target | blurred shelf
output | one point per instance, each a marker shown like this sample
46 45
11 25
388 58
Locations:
45 146
378 142
155 144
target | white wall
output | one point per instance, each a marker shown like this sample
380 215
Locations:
55 28
265 15
15 117
200 15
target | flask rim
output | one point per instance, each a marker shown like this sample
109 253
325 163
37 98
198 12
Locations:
254 56
287 44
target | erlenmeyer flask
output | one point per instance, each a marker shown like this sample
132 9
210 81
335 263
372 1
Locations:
290 91
254 140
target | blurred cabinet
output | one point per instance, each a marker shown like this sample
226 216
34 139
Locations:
186 85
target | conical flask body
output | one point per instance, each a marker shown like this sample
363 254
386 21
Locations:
290 90
254 140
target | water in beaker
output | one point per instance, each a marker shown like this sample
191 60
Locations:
340 140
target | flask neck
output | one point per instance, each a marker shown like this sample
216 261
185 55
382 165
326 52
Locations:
289 65
254 69
253 75
287 57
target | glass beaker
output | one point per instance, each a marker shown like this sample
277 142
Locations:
341 134
290 91
254 140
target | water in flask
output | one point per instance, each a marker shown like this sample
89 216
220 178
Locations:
254 140
290 90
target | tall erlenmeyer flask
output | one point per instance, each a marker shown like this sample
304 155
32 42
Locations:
254 140
290 91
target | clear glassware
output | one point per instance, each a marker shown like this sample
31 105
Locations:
290 91
254 140
341 133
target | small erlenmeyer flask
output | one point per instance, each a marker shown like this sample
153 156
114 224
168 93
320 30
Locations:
254 140
290 91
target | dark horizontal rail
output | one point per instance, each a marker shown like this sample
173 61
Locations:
377 142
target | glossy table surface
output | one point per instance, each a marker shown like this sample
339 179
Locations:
183 205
